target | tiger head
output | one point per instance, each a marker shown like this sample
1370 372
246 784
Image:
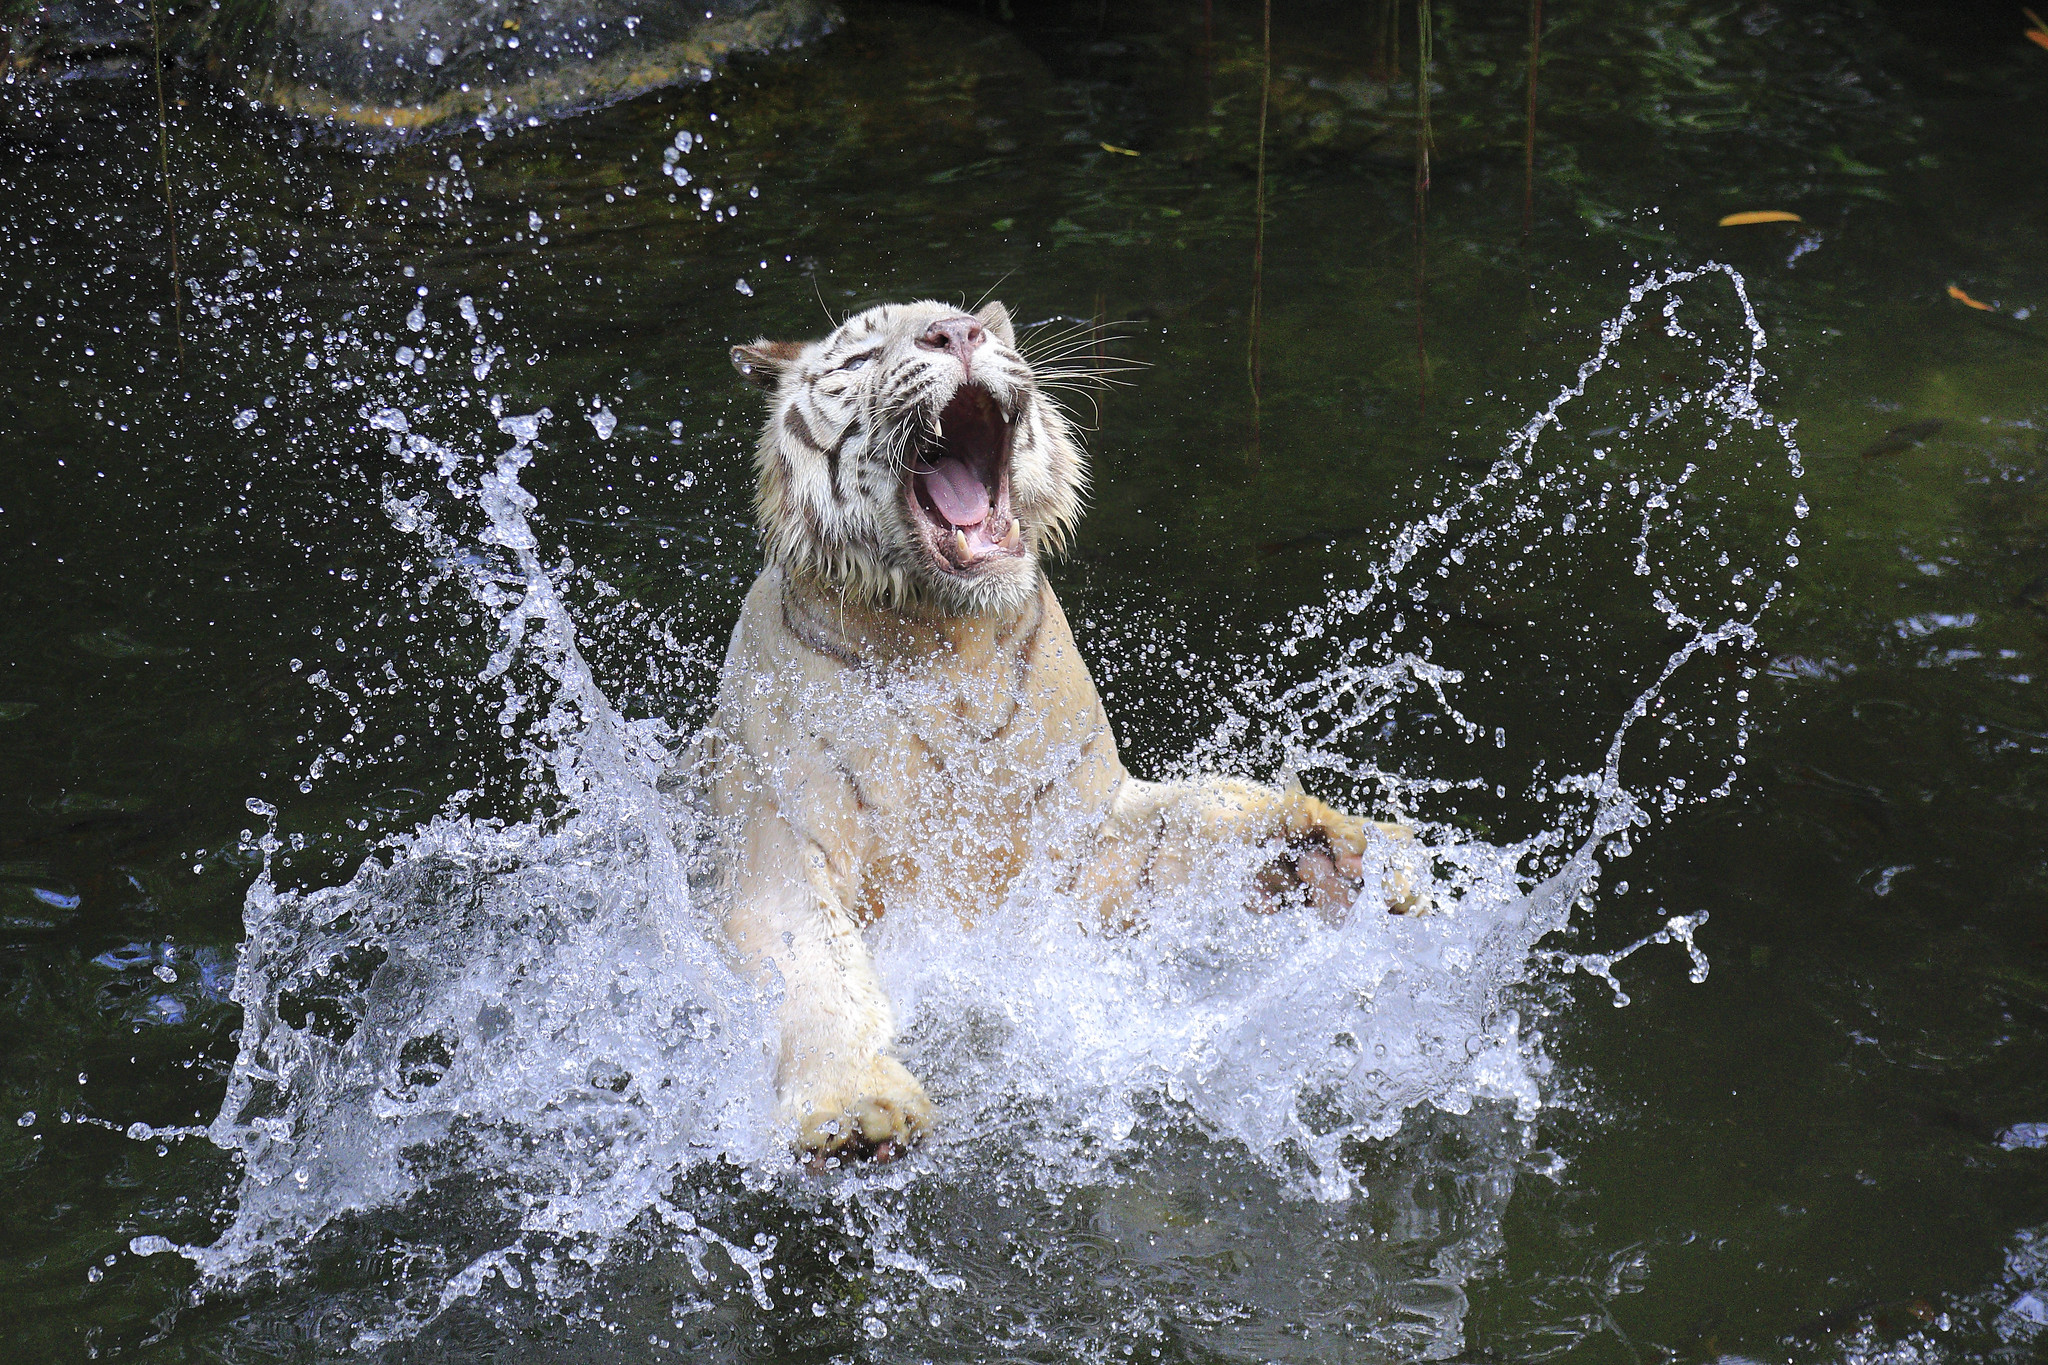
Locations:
913 460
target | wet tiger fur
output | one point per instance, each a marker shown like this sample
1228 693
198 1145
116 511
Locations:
903 719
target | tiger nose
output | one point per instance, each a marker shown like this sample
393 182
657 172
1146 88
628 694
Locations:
957 337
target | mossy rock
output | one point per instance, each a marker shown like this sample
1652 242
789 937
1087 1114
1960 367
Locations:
75 37
411 66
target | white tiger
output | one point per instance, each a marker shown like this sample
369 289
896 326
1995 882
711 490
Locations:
902 714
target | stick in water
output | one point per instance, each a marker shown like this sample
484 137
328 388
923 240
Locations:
1423 55
1252 360
1529 129
163 144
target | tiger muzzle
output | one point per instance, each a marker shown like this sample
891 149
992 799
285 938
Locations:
959 480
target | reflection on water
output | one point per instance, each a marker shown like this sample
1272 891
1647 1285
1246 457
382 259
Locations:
496 1092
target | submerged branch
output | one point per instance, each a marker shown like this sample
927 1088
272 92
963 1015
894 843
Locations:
163 143
1529 126
1253 359
1423 58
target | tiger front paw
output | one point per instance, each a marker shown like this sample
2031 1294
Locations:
877 1111
1325 861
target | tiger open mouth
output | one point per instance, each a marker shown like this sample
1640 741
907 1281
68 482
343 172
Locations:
958 485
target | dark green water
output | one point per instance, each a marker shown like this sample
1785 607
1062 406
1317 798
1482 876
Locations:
1810 1156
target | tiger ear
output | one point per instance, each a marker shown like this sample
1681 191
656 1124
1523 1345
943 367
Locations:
763 362
995 319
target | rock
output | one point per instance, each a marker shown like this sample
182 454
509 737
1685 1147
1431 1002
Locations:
411 66
76 37
430 65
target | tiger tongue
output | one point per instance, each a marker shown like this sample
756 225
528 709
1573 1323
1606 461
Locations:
958 493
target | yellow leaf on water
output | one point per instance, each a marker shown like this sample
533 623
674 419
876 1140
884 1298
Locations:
1760 216
1120 151
1960 297
2039 35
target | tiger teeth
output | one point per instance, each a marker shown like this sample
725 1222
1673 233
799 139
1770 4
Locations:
960 544
1013 539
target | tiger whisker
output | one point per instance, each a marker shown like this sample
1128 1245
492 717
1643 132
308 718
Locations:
1037 341
1035 345
988 292
1086 354
1082 371
1078 346
1095 386
1106 364
1078 324
1085 377
1031 329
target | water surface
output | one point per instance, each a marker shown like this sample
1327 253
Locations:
1821 1151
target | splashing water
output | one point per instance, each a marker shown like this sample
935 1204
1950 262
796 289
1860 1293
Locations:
512 1063
391 1025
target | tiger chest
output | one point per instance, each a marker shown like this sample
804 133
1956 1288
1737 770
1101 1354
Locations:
955 807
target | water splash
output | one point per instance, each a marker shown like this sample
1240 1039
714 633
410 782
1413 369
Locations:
508 1062
536 1000
1678 929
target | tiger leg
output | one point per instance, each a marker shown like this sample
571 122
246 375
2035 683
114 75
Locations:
1156 834
836 1083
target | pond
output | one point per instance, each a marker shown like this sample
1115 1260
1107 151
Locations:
1686 585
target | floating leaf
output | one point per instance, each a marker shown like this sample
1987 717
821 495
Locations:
1760 216
1120 151
1960 297
2038 35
